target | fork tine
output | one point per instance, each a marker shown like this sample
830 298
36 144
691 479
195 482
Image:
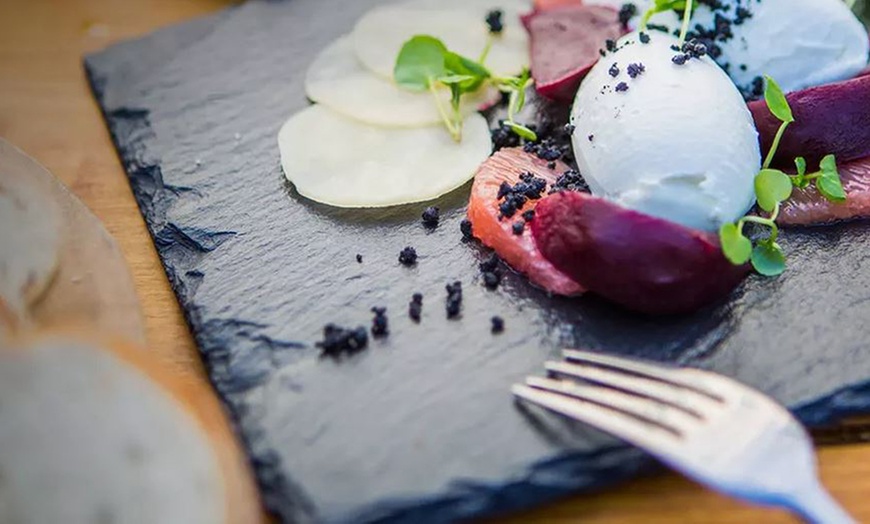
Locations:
687 400
696 380
670 418
650 437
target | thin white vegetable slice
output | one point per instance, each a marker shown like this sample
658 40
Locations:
340 162
482 6
337 80
379 35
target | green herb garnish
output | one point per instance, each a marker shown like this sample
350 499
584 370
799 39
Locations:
425 63
660 6
772 188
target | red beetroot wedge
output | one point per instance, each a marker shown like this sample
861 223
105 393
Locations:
643 263
830 119
807 207
565 44
518 251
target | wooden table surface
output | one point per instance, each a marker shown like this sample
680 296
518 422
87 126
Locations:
47 110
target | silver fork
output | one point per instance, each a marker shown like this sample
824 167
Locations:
712 429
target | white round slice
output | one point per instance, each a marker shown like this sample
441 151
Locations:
380 34
340 162
85 437
337 80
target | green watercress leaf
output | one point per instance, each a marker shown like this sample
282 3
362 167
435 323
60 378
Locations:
768 259
522 131
829 183
772 187
776 101
454 79
801 164
736 247
420 61
456 64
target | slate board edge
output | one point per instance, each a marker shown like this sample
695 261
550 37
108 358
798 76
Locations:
462 501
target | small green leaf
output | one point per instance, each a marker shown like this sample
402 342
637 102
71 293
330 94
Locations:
456 64
828 164
830 187
776 101
768 259
419 62
736 247
522 131
801 164
772 187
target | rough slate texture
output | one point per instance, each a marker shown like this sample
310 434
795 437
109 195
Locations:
421 427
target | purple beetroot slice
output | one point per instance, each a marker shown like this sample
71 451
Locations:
565 44
829 119
643 263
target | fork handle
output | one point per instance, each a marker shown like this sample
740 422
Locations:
817 506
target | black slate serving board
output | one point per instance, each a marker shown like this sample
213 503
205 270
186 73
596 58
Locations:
420 427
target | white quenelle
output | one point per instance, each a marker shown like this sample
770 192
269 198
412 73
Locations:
678 144
341 162
379 35
337 80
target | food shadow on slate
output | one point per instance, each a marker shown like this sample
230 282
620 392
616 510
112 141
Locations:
420 427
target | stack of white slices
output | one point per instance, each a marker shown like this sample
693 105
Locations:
369 143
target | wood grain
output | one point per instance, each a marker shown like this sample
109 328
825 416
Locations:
46 109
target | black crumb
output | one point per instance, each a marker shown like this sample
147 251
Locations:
489 268
380 326
518 227
454 299
529 215
626 13
431 216
338 340
610 45
613 71
551 165
621 87
644 38
359 258
490 264
591 137
408 256
415 307
494 21
570 180
680 59
497 324
492 279
569 129
635 70
467 230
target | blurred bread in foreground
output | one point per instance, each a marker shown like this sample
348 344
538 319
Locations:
97 433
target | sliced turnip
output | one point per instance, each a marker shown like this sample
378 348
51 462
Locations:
643 263
337 80
380 34
340 162
565 44
830 119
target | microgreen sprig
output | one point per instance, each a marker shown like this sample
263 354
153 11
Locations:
424 63
772 188
660 6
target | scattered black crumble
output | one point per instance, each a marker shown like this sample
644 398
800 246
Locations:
503 137
497 324
602 52
513 198
614 70
338 340
570 180
359 258
494 21
621 87
610 45
569 129
644 38
467 230
626 13
591 137
754 90
694 48
431 216
492 279
415 307
680 59
380 324
518 227
551 165
675 47
417 298
489 268
635 70
408 256
743 67
657 27
529 215
454 299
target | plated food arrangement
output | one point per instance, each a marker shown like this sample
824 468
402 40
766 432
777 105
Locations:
692 132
